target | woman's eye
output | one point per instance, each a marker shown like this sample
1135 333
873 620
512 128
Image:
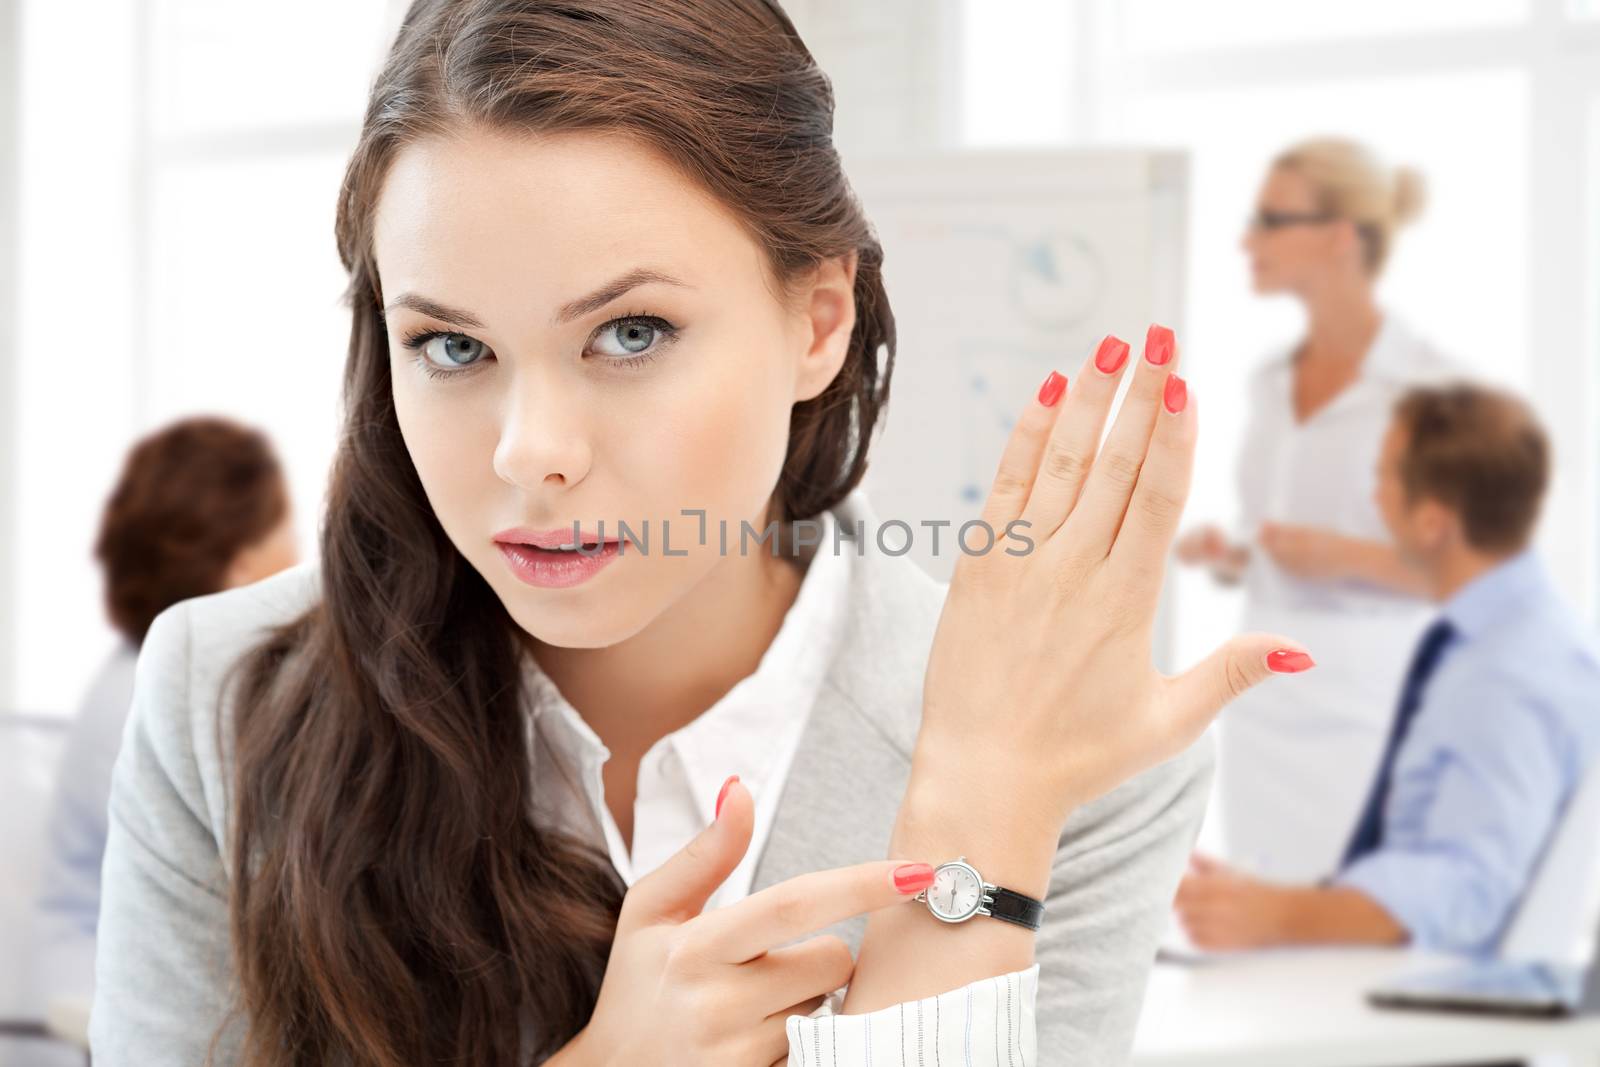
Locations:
453 350
626 339
631 336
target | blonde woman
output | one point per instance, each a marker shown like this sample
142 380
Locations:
1310 546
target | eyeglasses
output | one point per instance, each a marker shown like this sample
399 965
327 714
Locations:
1277 220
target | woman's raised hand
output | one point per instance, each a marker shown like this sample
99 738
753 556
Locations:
1040 682
684 986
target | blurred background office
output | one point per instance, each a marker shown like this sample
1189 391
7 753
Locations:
171 165
166 246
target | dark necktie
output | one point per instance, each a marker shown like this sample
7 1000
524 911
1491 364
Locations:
1369 830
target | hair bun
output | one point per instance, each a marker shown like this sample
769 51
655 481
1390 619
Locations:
1410 193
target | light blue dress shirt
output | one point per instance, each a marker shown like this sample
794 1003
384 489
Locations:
1509 722
69 899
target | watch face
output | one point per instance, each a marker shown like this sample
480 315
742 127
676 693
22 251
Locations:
955 892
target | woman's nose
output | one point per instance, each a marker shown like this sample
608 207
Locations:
543 439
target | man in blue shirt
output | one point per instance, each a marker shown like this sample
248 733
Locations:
1498 720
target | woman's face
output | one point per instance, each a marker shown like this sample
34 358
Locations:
578 333
1292 258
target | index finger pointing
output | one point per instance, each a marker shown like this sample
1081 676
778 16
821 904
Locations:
805 904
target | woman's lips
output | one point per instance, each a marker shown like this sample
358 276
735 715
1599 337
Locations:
553 568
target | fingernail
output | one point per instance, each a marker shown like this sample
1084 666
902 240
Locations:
723 794
1052 389
1288 661
912 877
1113 350
1158 345
1176 394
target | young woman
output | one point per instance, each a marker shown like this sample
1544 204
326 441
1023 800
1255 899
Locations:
1311 547
457 793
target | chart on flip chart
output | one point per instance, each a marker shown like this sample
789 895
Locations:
1001 266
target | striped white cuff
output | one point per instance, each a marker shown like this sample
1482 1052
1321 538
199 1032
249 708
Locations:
989 1023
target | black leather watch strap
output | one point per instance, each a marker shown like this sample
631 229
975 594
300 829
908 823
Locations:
1016 908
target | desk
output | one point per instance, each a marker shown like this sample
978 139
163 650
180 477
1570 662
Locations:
1299 1008
1305 1008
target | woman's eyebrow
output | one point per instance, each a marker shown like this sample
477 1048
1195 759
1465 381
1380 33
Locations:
435 310
613 289
573 310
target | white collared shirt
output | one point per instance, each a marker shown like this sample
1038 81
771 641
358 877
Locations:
754 731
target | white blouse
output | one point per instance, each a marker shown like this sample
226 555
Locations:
754 731
1296 756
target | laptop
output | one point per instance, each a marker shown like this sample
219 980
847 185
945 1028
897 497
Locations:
1493 987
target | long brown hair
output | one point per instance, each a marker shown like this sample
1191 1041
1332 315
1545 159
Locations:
393 903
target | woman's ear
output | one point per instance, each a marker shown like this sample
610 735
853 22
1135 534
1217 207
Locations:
829 307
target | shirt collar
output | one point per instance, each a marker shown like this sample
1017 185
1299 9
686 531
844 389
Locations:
1386 357
757 720
760 708
1487 598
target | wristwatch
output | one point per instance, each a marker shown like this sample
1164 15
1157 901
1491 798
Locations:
959 892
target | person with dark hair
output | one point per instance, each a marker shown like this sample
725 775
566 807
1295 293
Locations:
200 506
544 759
1497 722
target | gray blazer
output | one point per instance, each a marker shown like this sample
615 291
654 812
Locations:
163 970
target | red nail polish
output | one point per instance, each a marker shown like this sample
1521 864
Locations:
1176 394
912 877
1158 345
1052 389
723 794
1113 350
1288 661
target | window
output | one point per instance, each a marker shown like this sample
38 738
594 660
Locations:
997 71
208 283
